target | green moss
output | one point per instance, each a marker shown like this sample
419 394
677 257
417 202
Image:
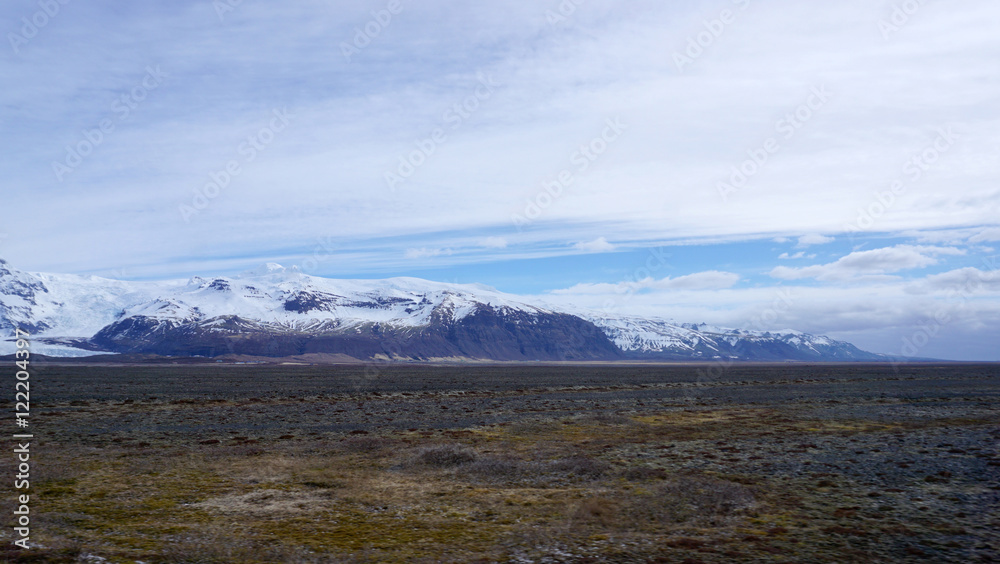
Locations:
55 491
408 537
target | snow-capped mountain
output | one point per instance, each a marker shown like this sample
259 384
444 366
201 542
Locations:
659 338
275 311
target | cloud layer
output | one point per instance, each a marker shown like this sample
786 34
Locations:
516 138
497 109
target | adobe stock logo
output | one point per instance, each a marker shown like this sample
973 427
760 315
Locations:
32 25
123 108
454 117
899 18
583 158
565 10
957 297
714 29
913 170
224 7
788 127
248 151
363 36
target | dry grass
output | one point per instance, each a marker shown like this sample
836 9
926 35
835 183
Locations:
568 489
357 499
265 503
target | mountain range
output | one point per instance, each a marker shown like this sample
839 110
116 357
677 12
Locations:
278 312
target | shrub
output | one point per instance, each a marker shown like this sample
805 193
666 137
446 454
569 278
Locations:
692 498
597 510
496 469
539 474
643 473
445 455
579 467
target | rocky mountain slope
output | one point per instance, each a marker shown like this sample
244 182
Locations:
273 311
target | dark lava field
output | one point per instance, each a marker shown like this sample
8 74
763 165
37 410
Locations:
515 463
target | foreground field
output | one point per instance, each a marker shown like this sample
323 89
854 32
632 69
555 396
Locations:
514 464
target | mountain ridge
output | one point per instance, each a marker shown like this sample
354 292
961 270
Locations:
273 311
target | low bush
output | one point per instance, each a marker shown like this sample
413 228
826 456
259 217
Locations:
692 498
579 467
496 469
444 456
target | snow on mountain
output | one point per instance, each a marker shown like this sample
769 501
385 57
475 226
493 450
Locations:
63 308
646 334
661 338
69 305
74 315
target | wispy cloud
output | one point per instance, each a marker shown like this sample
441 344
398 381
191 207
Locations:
876 262
494 243
710 280
796 256
877 318
970 280
986 236
599 245
411 93
424 252
814 239
561 85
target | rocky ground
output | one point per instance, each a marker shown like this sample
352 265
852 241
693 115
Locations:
514 463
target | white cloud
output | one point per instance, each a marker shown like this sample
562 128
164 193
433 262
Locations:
878 318
709 280
986 235
796 256
324 176
960 282
599 245
940 236
424 252
560 83
494 243
876 262
814 239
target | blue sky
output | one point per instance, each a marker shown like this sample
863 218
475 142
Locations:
695 160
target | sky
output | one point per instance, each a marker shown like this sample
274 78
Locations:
827 167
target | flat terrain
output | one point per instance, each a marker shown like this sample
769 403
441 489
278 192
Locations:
512 463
